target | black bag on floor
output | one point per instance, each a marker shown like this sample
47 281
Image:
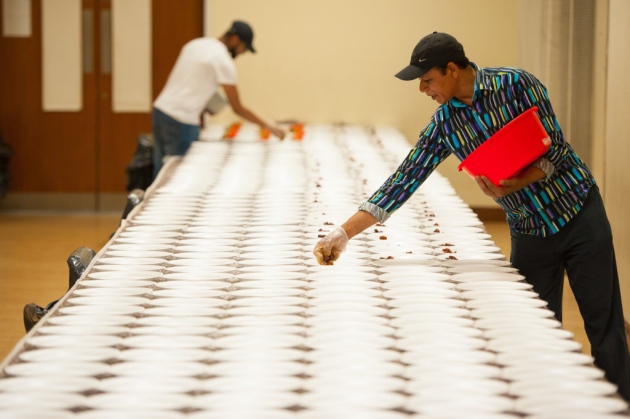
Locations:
140 170
6 151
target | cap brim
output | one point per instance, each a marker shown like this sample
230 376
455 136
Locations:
410 72
251 48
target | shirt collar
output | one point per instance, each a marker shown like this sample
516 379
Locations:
481 84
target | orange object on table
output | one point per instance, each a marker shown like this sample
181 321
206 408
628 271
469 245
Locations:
232 131
509 150
298 131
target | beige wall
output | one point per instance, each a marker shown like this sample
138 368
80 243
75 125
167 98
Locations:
325 60
617 147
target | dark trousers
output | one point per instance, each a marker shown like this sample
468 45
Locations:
584 249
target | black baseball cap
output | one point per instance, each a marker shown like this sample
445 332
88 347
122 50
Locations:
434 50
244 32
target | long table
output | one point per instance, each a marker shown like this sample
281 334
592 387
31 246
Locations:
208 303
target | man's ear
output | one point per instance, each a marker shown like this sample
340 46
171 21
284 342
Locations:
454 69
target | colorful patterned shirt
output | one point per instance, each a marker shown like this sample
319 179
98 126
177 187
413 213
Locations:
500 95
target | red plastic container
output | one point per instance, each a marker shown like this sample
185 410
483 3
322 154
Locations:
509 150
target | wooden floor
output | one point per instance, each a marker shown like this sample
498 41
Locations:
34 248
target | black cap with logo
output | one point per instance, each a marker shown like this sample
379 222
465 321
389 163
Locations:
244 32
434 50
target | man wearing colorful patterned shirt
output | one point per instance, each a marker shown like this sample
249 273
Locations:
554 210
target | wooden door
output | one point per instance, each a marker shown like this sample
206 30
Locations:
82 154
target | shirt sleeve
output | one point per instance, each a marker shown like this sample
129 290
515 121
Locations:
535 94
421 161
226 72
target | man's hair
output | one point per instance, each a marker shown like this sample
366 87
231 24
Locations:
463 63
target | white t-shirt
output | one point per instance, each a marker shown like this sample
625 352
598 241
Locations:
203 65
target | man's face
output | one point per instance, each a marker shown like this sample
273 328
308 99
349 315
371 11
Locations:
439 87
235 46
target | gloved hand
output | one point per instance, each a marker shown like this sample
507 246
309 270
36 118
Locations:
276 130
329 248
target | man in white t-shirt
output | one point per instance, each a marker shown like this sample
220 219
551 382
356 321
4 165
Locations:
203 65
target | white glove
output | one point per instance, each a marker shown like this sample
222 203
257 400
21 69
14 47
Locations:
328 249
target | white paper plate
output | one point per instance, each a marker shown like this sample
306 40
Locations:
271 262
114 300
316 400
205 248
126 275
265 310
426 299
188 302
505 301
268 301
206 255
177 321
51 385
139 384
63 354
53 341
199 275
104 320
136 254
201 262
533 333
102 309
412 291
548 385
173 331
493 285
539 357
182 342
526 312
540 370
466 406
246 367
200 284
548 403
277 268
466 386
121 292
83 330
127 268
269 275
440 326
201 269
483 276
263 321
161 355
131 261
485 293
188 293
266 292
543 344
515 320
42 400
140 247
272 284
183 311
423 312
67 367
414 277
249 404
447 357
455 269
132 402
143 240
